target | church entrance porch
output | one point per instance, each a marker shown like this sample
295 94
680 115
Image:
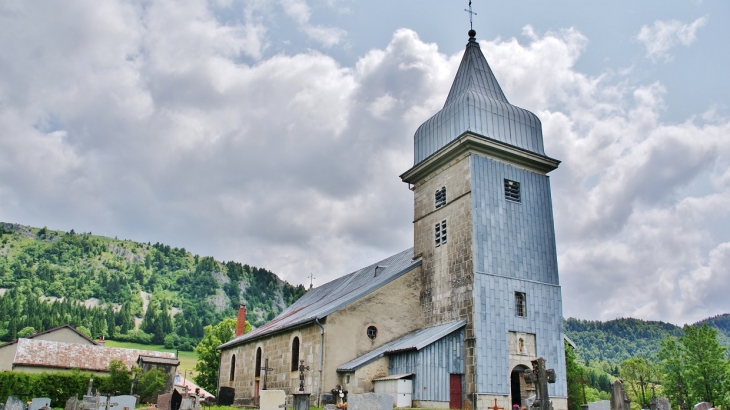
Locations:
518 387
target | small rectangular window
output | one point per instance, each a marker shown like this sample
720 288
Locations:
512 190
440 233
440 197
520 304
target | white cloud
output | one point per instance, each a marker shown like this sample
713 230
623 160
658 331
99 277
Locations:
662 36
299 11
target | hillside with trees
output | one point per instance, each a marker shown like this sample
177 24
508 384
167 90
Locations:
125 290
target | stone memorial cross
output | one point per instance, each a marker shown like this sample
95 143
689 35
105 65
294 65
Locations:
540 377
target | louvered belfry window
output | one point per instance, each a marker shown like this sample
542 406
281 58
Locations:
440 197
512 190
440 233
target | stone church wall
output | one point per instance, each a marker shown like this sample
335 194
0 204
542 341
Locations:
277 349
345 340
393 310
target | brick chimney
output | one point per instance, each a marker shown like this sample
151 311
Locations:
241 323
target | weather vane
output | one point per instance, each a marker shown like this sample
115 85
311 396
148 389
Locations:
471 13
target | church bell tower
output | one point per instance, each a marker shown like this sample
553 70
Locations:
483 228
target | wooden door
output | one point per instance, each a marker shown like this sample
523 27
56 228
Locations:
455 393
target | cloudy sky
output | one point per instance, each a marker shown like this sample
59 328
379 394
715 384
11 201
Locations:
272 132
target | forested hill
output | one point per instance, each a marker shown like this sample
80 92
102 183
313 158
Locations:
617 340
120 289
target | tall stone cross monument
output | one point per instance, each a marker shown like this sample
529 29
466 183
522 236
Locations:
540 377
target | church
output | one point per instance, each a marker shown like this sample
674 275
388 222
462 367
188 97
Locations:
462 313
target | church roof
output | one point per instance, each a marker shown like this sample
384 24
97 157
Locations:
412 341
477 104
323 300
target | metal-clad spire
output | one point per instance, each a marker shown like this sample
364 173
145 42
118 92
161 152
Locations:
476 103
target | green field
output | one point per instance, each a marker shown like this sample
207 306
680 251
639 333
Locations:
187 359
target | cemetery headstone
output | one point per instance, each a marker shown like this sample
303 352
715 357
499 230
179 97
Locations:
370 401
225 396
163 401
703 406
662 403
14 403
330 407
2 406
301 401
272 399
71 403
600 405
619 399
39 402
125 402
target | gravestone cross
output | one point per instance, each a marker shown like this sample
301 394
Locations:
653 402
266 370
583 382
302 368
642 385
680 399
540 377
495 406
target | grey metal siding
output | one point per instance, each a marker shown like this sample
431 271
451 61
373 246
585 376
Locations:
514 245
432 366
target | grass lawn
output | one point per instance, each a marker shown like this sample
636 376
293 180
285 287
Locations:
187 359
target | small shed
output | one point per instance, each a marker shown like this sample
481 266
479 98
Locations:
400 386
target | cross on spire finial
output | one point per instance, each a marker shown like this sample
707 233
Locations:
311 280
471 14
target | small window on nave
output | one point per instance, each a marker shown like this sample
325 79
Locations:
233 367
295 354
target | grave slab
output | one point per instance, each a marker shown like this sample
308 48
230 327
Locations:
39 402
370 401
124 402
14 403
600 405
272 400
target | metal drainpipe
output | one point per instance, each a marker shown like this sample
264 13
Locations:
321 360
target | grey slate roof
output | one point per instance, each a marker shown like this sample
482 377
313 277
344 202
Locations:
476 103
321 301
412 341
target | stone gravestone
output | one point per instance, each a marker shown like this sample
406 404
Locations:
163 401
619 399
225 396
71 403
272 400
699 406
662 403
370 401
14 403
600 405
124 402
39 402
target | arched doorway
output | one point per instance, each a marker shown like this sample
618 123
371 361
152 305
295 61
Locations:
518 386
